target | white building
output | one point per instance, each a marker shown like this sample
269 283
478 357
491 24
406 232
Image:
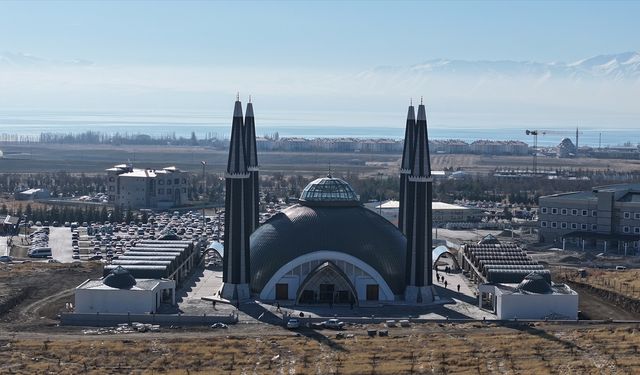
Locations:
120 293
533 298
442 212
146 188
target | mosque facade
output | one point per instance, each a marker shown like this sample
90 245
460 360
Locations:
328 248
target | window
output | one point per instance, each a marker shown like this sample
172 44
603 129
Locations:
583 227
574 212
564 211
176 181
636 230
554 224
543 224
160 191
627 215
554 211
637 216
626 229
169 182
585 212
563 225
594 213
543 210
184 190
111 179
594 227
168 191
574 226
112 188
160 182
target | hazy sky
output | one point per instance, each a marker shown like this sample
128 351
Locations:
310 55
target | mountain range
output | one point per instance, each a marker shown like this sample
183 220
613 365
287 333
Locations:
621 66
24 60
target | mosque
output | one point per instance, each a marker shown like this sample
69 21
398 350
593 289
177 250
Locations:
328 248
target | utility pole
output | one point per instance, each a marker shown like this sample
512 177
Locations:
204 191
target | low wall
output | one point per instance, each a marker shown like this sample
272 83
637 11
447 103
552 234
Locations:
627 303
108 320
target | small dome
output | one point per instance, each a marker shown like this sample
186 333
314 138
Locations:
329 190
119 278
535 283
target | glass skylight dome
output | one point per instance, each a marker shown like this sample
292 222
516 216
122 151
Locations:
329 189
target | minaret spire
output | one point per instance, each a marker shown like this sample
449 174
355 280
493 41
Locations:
236 268
253 205
419 218
405 166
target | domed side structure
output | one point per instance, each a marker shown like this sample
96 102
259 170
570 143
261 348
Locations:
367 249
535 283
119 278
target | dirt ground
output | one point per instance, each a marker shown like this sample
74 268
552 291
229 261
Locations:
96 158
34 293
421 349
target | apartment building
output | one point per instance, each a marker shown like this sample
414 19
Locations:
130 187
607 217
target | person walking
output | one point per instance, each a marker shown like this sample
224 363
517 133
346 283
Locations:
445 284
458 288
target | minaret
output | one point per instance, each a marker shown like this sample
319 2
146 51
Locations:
252 167
419 218
236 270
405 168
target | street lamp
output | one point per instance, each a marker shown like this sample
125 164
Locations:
534 133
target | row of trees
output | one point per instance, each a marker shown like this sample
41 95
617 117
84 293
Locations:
93 137
62 214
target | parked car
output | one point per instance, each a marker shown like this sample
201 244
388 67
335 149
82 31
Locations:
6 259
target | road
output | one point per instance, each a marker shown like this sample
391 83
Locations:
60 243
4 249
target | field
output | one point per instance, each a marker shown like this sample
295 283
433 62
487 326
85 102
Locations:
428 348
626 283
33 293
25 158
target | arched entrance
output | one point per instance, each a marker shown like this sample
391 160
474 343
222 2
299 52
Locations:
449 260
327 284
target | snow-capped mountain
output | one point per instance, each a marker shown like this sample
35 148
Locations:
620 66
23 60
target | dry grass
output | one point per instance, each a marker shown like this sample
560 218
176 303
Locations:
426 349
625 282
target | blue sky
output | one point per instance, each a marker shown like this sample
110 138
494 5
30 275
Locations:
336 34
318 57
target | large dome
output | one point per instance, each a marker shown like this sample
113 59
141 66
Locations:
307 228
329 191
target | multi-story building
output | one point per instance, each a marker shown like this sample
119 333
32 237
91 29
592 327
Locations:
130 187
607 217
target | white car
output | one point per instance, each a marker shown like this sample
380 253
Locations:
333 324
293 323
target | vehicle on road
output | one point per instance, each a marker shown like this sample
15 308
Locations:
6 259
293 323
333 324
39 252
